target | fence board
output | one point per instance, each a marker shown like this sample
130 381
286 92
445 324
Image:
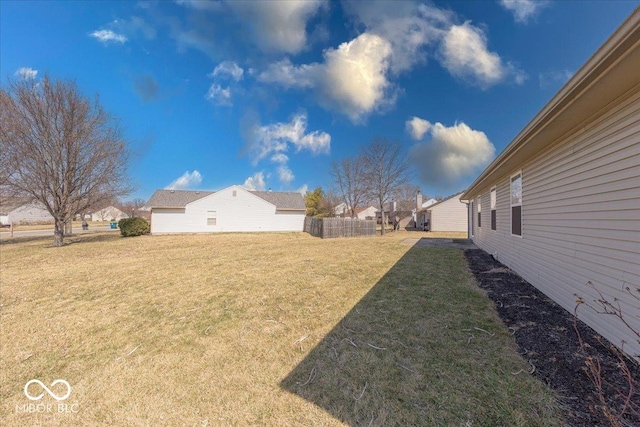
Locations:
329 228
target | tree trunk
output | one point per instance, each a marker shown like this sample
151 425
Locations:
58 233
382 222
67 228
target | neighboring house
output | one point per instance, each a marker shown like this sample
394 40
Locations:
419 213
561 204
33 213
231 209
448 215
341 210
366 213
402 211
107 214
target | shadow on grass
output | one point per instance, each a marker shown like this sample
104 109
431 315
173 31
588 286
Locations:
73 239
409 354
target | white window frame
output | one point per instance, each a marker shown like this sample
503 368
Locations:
212 215
511 204
493 197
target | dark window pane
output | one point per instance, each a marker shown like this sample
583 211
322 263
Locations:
516 220
493 219
479 219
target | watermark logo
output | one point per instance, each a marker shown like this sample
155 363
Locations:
39 408
47 389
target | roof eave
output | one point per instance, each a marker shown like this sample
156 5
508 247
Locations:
602 78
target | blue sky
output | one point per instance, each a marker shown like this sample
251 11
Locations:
269 93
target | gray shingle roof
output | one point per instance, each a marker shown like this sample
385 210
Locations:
283 200
180 198
175 198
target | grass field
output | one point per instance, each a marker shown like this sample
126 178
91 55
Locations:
256 329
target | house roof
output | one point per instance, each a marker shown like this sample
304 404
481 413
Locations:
610 73
283 200
181 198
175 198
428 208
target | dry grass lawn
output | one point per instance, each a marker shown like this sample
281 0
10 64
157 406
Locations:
257 329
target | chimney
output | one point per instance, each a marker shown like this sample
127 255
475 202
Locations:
418 200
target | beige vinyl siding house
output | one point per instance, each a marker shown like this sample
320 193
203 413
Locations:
448 215
233 209
577 218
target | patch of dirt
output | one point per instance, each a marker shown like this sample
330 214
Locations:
546 337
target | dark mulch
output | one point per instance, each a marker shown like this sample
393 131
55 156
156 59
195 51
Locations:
546 337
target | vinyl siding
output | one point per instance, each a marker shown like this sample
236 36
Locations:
581 219
243 213
450 215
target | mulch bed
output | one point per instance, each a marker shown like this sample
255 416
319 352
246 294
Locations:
546 337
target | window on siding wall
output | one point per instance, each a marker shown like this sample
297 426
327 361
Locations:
516 204
479 212
493 208
212 217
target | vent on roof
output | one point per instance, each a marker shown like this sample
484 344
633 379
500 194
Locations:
197 192
269 189
173 191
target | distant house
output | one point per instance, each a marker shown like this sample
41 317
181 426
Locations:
561 204
231 209
28 213
448 215
342 209
419 212
368 212
107 214
402 212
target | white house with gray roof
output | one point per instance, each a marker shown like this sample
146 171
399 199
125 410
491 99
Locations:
233 209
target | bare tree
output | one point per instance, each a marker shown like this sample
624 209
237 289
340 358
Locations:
406 193
349 182
66 152
385 169
132 207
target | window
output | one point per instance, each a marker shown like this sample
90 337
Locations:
212 217
493 208
235 193
516 204
479 212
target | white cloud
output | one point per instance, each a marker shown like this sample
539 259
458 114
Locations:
352 79
202 5
303 190
464 53
26 73
108 36
274 139
417 127
219 95
523 10
228 68
553 78
286 74
280 158
255 182
278 26
188 179
408 26
285 174
452 154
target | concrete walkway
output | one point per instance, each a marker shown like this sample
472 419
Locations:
442 243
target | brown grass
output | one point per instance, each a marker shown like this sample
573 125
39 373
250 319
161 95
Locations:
257 329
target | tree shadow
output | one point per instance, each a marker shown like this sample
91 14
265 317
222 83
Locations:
69 240
403 355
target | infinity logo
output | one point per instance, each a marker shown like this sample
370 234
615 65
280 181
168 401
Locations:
45 388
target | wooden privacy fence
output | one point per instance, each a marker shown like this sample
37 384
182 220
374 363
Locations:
328 228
